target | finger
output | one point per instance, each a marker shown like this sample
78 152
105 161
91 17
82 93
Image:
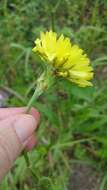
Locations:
30 143
33 112
14 132
6 112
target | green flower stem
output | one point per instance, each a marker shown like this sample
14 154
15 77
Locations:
38 91
26 157
42 84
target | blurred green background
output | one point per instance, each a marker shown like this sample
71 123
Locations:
73 125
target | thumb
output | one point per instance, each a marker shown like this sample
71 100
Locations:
14 133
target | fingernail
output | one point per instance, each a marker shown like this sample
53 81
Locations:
35 114
25 125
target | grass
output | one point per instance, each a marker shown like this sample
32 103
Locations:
73 120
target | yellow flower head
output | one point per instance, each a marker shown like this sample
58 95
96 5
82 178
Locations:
68 60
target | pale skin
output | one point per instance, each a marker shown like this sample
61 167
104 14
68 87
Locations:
16 134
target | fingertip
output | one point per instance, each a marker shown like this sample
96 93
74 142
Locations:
25 125
34 112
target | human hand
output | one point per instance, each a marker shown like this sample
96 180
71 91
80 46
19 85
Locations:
16 133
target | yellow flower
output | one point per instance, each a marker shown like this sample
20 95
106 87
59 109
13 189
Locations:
67 60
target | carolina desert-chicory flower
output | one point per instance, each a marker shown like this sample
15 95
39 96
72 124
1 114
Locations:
66 59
